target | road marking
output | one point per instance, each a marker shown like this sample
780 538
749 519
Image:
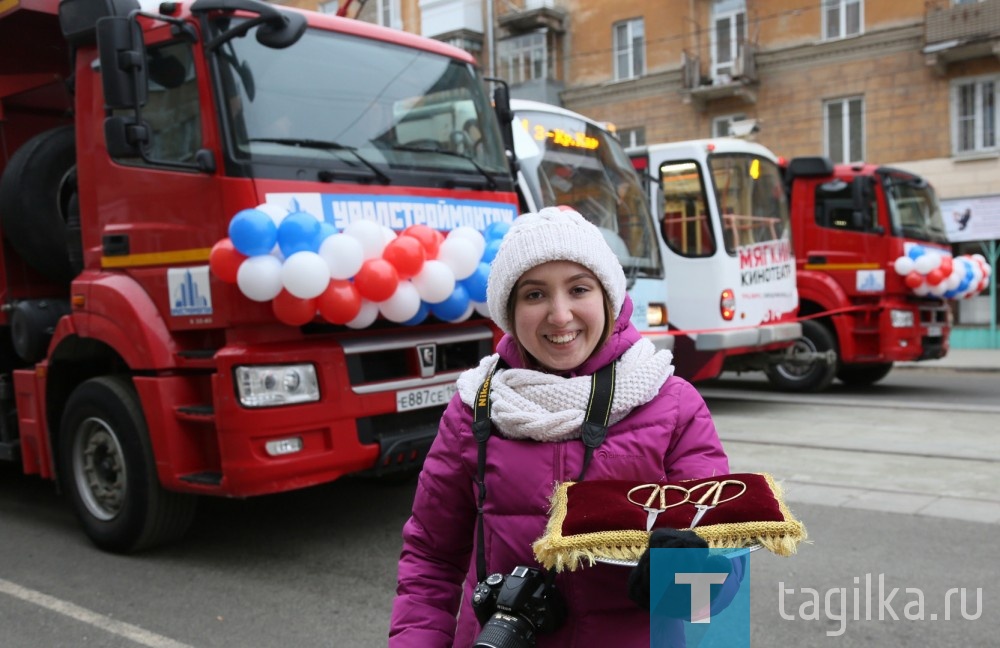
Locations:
126 630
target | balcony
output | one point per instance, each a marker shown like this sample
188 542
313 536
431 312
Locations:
535 14
441 18
741 82
961 33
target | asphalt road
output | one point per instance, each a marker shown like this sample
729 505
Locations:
879 487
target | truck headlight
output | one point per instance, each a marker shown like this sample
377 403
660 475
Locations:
271 385
901 318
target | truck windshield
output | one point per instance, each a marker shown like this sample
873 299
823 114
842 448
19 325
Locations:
570 161
751 198
913 207
364 108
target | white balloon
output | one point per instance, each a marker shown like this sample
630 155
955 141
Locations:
305 275
403 305
922 290
903 265
388 235
259 277
927 262
482 308
938 290
276 213
471 235
459 254
343 255
370 234
366 316
435 282
954 279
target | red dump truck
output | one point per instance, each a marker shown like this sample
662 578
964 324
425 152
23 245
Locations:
131 370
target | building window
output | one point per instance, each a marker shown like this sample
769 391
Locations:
729 18
632 136
844 129
523 58
842 18
721 126
974 115
630 49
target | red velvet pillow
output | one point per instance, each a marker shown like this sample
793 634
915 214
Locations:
608 519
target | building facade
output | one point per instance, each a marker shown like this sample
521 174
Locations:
911 83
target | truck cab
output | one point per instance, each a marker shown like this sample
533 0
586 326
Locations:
850 223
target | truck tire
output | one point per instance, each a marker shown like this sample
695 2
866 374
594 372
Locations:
35 191
813 377
107 466
863 374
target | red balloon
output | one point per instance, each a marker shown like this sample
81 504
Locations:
340 302
293 310
914 279
376 280
429 237
406 254
935 276
947 265
224 260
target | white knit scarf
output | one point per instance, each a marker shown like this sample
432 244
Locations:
530 404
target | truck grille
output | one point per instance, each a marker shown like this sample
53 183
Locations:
394 362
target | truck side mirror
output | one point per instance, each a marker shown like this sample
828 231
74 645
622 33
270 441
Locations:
501 106
125 138
123 62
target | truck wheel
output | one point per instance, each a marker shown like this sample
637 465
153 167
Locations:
863 374
108 468
35 191
815 376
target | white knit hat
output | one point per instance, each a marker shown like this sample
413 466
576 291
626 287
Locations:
553 234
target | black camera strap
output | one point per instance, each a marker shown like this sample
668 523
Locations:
594 431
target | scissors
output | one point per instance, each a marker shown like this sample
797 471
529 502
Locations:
714 491
652 512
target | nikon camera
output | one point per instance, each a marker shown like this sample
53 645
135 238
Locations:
512 609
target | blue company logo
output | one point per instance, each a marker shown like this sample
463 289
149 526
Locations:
190 293
699 598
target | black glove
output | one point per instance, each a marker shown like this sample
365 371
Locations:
679 602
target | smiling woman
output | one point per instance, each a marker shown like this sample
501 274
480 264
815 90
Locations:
571 374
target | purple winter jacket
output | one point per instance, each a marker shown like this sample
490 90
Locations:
671 437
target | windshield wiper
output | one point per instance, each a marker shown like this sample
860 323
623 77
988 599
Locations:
490 180
326 146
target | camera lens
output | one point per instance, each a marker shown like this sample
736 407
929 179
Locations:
506 631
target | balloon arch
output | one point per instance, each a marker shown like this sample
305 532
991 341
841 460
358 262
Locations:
305 267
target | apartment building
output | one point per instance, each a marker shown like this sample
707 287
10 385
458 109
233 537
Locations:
911 83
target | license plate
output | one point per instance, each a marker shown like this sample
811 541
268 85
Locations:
934 331
411 399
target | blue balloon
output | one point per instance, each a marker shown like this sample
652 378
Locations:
490 252
454 306
421 315
475 284
950 294
252 232
495 230
916 251
299 232
326 230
